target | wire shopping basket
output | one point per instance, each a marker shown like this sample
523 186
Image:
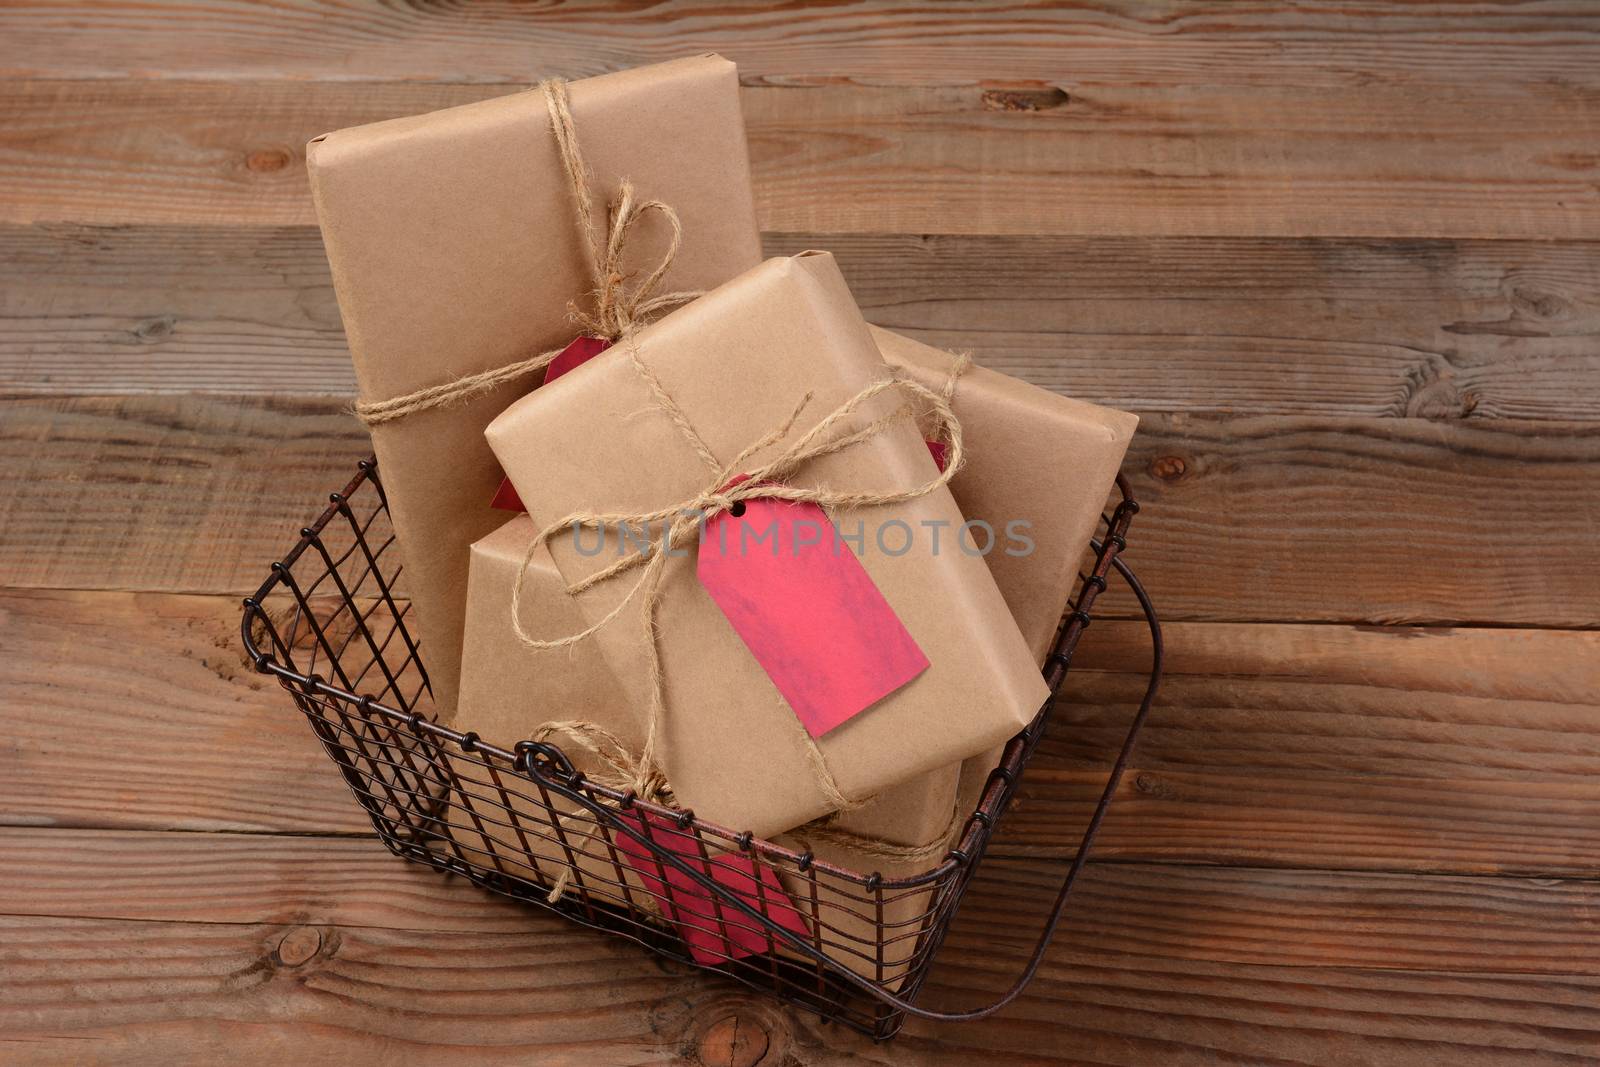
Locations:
331 623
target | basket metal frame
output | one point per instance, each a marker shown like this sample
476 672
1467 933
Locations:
419 783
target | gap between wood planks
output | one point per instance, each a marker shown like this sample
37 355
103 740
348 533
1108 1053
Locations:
1002 851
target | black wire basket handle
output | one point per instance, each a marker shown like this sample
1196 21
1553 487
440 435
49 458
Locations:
551 766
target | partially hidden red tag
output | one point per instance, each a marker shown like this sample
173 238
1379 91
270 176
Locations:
807 610
574 355
506 498
940 454
713 931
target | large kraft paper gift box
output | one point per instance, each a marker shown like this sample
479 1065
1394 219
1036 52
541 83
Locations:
455 246
734 363
1034 456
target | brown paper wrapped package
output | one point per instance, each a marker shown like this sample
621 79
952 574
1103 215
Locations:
1072 451
850 932
455 249
508 690
735 362
1034 456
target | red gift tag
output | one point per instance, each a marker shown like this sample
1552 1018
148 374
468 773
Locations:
807 610
506 498
940 454
574 355
714 931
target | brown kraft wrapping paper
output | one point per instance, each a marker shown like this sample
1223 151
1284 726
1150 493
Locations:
1072 451
849 929
455 249
1036 456
736 361
506 691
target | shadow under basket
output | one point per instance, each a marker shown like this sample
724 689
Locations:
331 623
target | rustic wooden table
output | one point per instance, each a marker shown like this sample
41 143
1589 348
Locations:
1342 260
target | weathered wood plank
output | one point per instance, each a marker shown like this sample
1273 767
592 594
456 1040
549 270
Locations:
1265 518
1480 159
176 493
87 309
1260 326
1320 746
1370 520
1240 915
1374 700
1170 44
1309 818
1221 325
1397 745
139 710
91 991
175 992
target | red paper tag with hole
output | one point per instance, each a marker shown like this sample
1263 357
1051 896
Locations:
574 355
807 610
713 930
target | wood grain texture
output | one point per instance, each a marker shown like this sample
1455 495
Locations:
1433 329
1344 260
1236 915
143 711
1369 520
115 309
1384 746
1172 45
180 493
1250 519
1479 160
84 990
1471 751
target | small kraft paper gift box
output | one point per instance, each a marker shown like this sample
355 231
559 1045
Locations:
460 240
757 722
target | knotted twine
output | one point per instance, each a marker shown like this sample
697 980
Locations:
684 519
617 307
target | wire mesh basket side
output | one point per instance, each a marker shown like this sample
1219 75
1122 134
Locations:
331 623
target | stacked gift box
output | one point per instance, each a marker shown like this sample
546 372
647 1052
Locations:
683 512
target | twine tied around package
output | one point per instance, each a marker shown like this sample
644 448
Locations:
617 307
684 519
